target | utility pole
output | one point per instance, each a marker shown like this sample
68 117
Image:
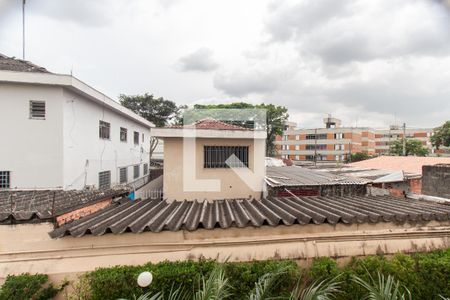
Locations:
23 29
404 139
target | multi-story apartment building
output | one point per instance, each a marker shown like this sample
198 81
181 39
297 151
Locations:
336 143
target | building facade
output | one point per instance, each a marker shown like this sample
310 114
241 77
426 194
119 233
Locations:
336 143
63 134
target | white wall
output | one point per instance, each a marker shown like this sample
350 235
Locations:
31 149
85 154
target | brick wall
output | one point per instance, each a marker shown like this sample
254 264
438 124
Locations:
415 186
81 212
436 180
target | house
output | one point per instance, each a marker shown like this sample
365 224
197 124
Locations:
196 165
60 133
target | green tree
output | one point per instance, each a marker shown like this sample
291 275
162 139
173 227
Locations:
358 157
413 147
276 116
441 136
159 111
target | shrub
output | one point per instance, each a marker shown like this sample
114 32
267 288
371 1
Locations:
28 286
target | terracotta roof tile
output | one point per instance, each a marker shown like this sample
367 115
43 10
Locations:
411 164
18 65
211 124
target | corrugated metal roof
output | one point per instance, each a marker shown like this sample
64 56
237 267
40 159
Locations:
158 215
298 176
37 205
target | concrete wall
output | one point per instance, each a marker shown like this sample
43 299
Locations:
32 150
85 154
436 181
28 248
64 150
225 184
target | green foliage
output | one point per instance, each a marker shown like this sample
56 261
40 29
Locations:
28 286
359 156
276 116
216 286
385 288
413 147
156 110
441 136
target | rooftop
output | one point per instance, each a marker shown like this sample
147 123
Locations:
40 205
159 215
18 65
211 124
298 176
409 164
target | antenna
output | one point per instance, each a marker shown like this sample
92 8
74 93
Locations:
23 29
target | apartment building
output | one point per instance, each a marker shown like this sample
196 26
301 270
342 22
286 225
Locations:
336 143
60 133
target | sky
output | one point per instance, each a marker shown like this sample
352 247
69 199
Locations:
369 63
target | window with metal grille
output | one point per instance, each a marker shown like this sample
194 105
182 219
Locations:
318 147
136 138
37 110
104 130
216 156
123 134
145 169
309 157
5 179
104 180
136 171
123 175
321 136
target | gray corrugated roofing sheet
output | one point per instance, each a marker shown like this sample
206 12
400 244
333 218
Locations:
158 215
27 206
298 176
19 65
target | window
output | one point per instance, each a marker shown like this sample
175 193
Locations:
103 130
285 138
297 137
297 147
123 134
309 157
216 156
318 147
123 175
136 171
321 136
297 157
5 179
338 147
37 110
145 169
338 136
104 180
136 138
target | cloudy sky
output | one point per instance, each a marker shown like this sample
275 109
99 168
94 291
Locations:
370 63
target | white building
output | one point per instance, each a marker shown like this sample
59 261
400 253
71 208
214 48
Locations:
58 132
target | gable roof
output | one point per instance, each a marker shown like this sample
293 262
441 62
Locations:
410 164
159 215
19 65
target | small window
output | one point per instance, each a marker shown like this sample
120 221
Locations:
123 134
5 179
123 175
104 130
104 180
145 169
136 171
37 110
136 138
216 156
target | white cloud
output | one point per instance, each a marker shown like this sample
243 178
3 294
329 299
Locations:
200 60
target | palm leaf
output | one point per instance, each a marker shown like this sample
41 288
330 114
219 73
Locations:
318 290
265 285
383 288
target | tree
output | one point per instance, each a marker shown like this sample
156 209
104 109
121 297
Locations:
358 157
441 136
159 111
276 116
413 147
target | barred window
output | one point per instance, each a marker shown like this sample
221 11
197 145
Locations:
37 110
321 136
123 175
136 171
338 136
123 134
318 147
145 169
136 138
5 179
216 156
104 180
104 130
